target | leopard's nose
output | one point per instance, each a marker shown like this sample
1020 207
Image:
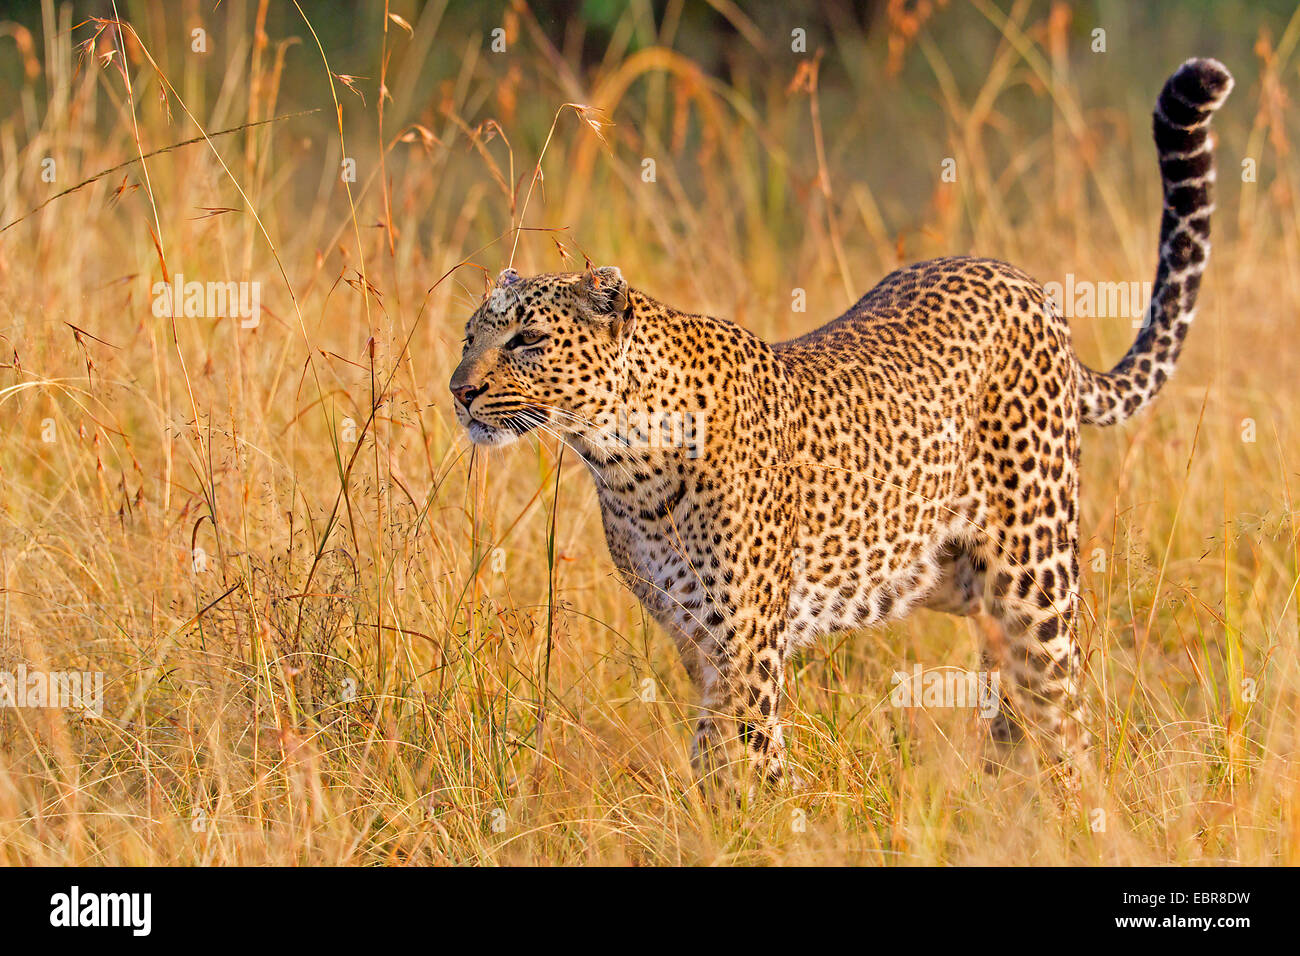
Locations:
465 394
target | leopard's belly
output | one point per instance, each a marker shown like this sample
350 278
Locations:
850 594
841 582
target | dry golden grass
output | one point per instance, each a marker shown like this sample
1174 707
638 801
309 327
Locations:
400 651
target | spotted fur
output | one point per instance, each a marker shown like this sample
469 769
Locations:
919 451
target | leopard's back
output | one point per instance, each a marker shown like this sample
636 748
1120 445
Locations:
893 437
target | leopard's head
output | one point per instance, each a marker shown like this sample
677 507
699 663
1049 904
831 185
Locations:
542 351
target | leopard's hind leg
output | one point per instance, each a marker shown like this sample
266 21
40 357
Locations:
963 566
1031 592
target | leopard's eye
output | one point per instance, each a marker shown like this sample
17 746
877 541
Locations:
526 340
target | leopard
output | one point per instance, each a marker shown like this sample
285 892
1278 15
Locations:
919 451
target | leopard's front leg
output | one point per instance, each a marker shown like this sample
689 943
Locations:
737 538
738 733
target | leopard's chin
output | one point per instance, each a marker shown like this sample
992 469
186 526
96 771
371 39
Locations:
503 432
490 436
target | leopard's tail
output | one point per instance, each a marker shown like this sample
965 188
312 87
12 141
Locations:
1181 122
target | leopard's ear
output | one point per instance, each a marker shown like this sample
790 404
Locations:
507 277
604 291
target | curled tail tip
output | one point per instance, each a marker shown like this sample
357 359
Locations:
1201 82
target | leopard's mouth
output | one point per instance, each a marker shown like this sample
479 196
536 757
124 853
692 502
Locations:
507 426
